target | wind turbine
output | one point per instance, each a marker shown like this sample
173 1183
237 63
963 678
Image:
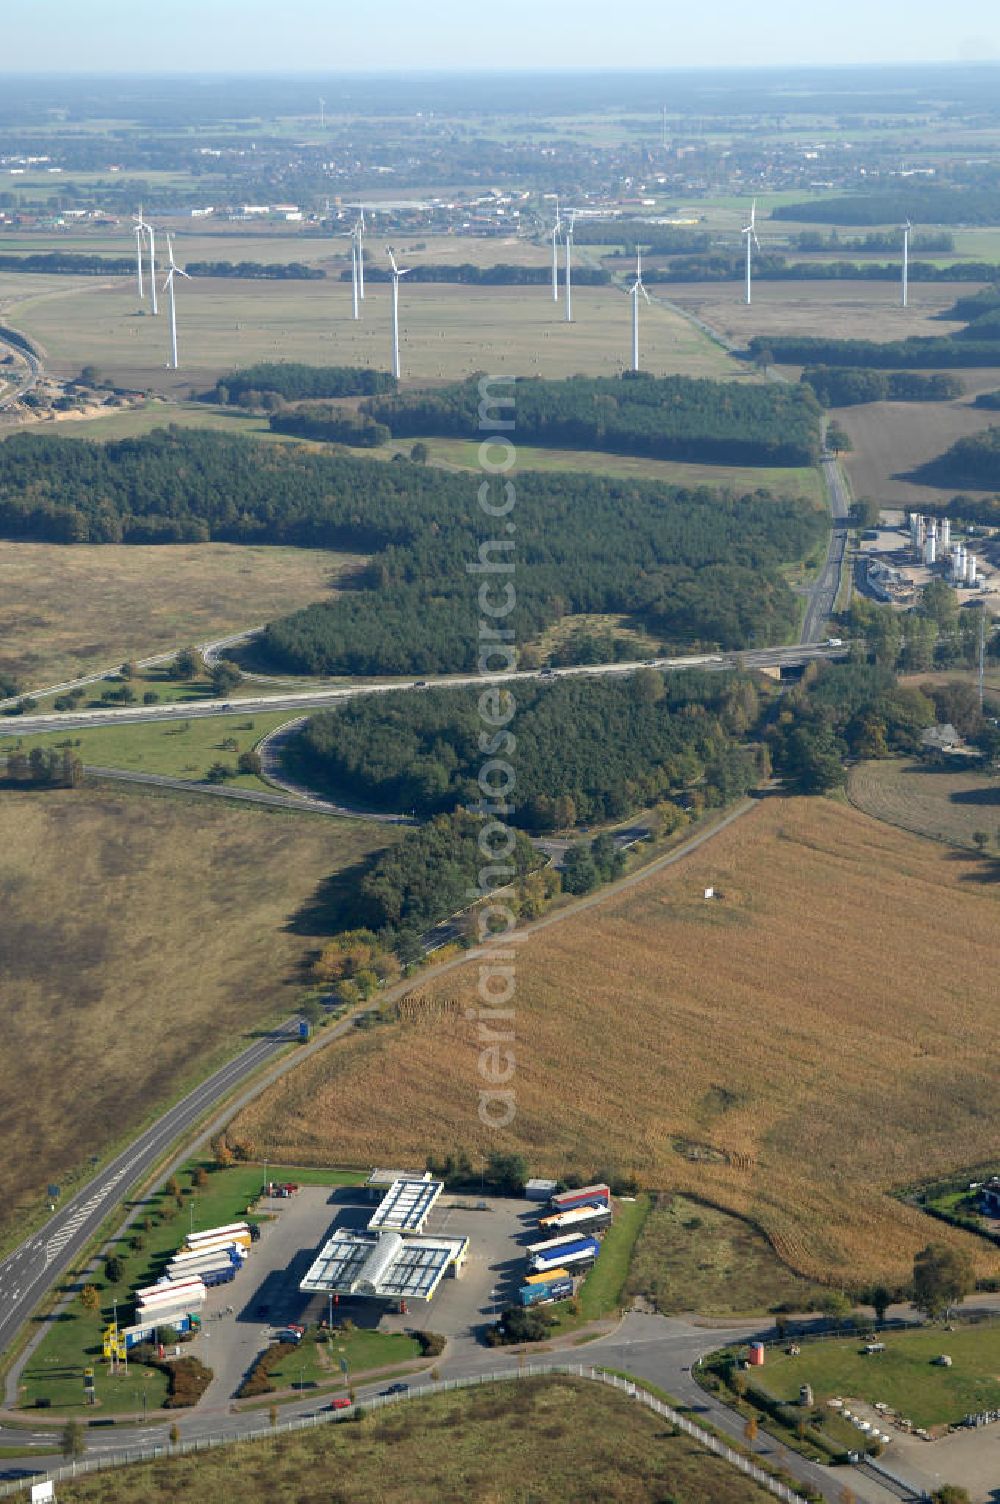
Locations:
173 270
151 234
569 271
555 255
906 260
355 258
361 255
397 272
139 225
634 292
750 231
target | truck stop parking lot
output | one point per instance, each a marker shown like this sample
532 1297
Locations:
265 1295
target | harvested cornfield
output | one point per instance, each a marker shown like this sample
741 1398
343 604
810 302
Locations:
792 1050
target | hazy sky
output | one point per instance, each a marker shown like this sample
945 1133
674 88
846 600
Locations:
316 36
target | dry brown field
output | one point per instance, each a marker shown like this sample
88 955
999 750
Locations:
577 1442
142 939
892 439
834 310
70 611
447 330
941 803
792 1052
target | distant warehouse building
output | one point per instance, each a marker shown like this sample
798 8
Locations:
384 1266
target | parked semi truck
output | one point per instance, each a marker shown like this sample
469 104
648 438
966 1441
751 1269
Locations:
539 1289
581 1219
571 1253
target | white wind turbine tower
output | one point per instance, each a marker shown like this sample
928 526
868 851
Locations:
173 271
151 234
139 225
355 260
634 292
906 261
361 255
569 271
555 255
397 272
750 231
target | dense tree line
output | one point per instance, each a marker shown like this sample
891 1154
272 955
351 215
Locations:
972 461
296 382
424 879
938 633
501 275
917 352
75 263
937 241
927 204
846 386
325 421
267 271
771 266
80 264
585 750
45 767
700 567
671 417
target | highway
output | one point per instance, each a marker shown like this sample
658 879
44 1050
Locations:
823 595
30 380
38 1263
317 699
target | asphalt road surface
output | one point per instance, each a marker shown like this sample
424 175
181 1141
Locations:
314 699
30 378
823 595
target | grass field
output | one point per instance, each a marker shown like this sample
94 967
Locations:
66 611
782 480
142 939
892 439
551 1439
712 1048
836 310
904 1376
938 802
132 422
177 749
446 330
693 1257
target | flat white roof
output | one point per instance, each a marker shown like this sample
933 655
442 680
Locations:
405 1206
382 1267
387 1177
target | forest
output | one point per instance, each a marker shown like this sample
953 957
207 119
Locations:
585 749
501 275
670 417
923 203
426 877
700 567
276 271
296 382
847 386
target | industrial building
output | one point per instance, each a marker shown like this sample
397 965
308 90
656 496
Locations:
384 1266
380 1181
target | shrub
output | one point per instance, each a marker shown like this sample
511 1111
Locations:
432 1344
258 1380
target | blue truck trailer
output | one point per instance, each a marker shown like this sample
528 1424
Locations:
577 1252
539 1291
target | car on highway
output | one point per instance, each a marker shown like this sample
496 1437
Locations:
397 1389
340 1403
